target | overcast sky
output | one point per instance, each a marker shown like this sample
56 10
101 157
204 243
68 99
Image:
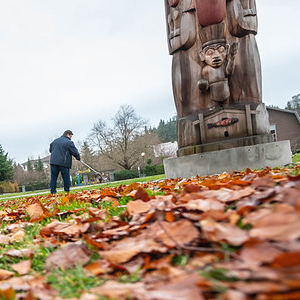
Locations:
66 64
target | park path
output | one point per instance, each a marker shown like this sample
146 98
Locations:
14 196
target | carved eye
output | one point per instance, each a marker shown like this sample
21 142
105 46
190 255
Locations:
209 52
221 49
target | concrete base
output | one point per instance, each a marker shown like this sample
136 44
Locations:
275 154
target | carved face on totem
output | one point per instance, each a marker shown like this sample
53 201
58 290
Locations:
242 17
214 55
181 24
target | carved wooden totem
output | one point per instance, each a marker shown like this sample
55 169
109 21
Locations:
216 74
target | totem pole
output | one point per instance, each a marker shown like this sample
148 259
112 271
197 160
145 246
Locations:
216 74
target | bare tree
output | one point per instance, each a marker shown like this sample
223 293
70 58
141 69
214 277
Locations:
122 144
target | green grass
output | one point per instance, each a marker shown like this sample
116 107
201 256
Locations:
71 282
68 282
296 158
83 188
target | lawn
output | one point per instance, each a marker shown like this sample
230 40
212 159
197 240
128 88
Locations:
226 237
80 188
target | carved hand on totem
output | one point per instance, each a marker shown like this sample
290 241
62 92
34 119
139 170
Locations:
203 85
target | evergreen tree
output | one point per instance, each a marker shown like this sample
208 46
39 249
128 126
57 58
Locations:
29 166
39 166
6 166
294 104
167 130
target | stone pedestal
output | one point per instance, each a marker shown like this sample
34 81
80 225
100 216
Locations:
275 154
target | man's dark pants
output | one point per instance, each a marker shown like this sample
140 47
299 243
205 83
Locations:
65 173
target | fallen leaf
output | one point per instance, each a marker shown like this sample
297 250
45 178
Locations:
35 210
98 267
288 259
122 251
141 194
20 253
68 256
215 231
276 224
204 205
180 233
183 288
4 274
137 207
22 267
257 252
116 290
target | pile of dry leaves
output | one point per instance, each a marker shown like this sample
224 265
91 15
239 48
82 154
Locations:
238 233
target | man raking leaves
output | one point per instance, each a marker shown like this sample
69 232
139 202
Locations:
62 149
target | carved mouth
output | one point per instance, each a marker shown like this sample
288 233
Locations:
217 61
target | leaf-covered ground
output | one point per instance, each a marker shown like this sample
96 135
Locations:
229 237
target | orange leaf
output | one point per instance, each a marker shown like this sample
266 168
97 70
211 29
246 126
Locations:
170 216
98 267
288 259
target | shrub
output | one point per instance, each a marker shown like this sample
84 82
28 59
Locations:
126 174
8 187
151 170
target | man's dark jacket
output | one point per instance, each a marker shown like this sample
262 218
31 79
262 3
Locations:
61 150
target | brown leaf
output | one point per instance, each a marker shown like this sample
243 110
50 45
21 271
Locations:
181 232
123 250
259 287
122 230
68 256
35 210
279 224
203 205
12 237
134 265
88 296
192 188
280 296
43 291
215 231
116 290
96 212
131 187
18 283
183 288
4 274
98 267
137 207
22 267
4 239
257 252
68 229
142 195
227 195
20 252
18 236
233 295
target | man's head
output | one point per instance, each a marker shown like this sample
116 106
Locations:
68 133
